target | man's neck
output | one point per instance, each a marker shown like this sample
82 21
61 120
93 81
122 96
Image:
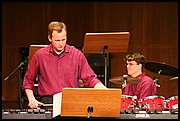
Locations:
136 74
58 53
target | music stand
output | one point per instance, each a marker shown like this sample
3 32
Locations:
33 49
114 42
91 102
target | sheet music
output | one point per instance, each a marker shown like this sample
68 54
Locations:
57 104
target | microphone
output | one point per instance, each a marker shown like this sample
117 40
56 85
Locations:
23 62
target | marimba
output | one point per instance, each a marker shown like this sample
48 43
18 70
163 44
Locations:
42 114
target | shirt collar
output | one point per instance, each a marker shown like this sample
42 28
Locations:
66 48
141 75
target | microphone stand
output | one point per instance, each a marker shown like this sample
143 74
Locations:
20 68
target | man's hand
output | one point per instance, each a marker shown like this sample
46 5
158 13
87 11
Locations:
35 104
99 85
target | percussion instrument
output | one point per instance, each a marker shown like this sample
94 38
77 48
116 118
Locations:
121 79
42 114
128 104
161 68
145 115
172 104
147 108
152 104
26 114
174 78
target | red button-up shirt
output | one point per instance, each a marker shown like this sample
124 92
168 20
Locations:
146 87
56 72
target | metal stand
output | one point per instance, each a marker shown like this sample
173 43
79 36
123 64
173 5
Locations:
20 86
20 68
156 79
89 110
125 81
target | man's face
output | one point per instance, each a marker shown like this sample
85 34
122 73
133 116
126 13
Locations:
58 40
133 68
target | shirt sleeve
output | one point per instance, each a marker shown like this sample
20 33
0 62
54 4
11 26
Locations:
31 74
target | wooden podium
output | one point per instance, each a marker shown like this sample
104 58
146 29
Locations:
114 42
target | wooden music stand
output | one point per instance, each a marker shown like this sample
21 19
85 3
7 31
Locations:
106 42
91 102
32 50
116 42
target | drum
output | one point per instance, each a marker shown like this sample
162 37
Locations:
152 104
127 104
172 104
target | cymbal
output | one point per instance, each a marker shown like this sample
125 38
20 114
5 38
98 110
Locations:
121 79
174 78
161 68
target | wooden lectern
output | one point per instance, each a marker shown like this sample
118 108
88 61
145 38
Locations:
106 42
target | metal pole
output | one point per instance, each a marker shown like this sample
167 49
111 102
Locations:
106 57
106 68
20 89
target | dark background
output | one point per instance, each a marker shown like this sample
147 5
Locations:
153 28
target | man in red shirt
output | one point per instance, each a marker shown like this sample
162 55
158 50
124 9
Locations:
146 87
58 65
